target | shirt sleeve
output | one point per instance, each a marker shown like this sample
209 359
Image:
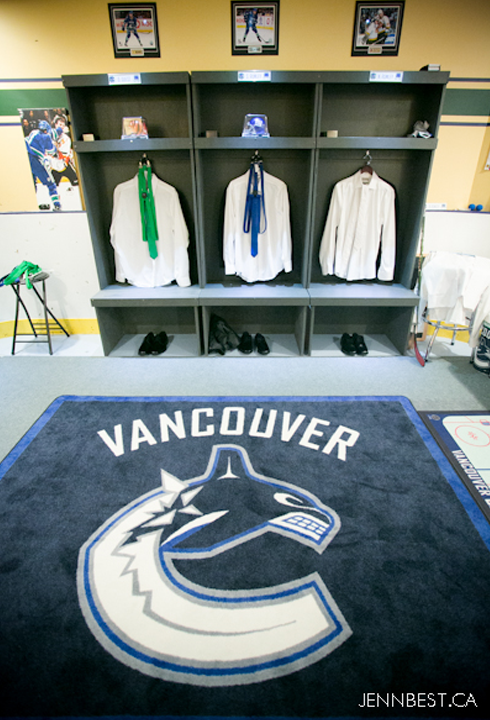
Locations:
181 245
388 238
118 260
229 229
328 242
286 240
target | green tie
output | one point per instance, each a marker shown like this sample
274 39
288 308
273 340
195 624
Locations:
147 210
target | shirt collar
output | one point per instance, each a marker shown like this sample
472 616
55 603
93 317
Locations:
372 185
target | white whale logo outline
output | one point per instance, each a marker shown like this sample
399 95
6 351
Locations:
150 617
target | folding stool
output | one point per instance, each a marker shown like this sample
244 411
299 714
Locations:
39 327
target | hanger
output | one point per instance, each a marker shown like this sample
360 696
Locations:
144 161
256 158
367 164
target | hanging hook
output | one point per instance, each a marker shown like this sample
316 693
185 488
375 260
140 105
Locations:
367 163
144 160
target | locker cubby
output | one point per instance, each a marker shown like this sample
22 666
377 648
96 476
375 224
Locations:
221 101
381 312
217 168
123 327
283 326
109 169
406 171
98 107
357 106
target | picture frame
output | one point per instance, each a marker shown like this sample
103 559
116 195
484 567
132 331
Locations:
255 28
134 28
377 28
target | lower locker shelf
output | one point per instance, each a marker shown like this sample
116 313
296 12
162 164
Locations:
329 346
276 312
179 346
127 315
282 327
382 314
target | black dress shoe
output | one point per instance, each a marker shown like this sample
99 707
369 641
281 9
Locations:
360 345
146 347
347 344
261 345
246 343
159 344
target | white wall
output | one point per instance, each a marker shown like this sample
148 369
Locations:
60 243
457 231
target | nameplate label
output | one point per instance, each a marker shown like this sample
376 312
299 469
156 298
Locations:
124 79
389 77
254 76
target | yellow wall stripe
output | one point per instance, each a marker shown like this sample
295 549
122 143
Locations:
73 326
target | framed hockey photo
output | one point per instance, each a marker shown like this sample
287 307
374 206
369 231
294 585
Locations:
377 28
134 30
255 28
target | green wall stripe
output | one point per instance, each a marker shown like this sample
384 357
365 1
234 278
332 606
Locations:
12 100
456 102
466 102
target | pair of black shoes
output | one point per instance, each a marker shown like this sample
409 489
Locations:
353 344
154 344
248 343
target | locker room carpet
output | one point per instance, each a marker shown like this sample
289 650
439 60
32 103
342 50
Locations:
267 512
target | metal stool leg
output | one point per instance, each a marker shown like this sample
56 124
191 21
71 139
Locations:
19 301
46 321
47 311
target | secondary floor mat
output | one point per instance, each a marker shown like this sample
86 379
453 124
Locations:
464 438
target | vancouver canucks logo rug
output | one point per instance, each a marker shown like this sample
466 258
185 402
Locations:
149 616
240 557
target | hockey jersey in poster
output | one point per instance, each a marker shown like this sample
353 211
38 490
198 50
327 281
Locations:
360 222
132 258
274 244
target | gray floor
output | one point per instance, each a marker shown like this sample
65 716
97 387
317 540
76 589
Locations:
31 380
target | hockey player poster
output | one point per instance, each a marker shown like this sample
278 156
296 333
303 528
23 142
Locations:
48 141
255 28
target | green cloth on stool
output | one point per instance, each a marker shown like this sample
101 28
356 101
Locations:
26 268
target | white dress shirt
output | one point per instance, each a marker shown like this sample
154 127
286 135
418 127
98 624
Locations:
361 218
274 245
132 258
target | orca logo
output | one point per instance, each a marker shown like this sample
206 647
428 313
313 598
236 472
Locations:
150 617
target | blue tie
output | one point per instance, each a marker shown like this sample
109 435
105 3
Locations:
254 206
